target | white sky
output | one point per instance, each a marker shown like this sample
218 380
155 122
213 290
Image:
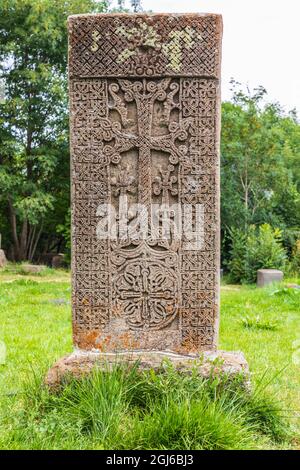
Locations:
261 43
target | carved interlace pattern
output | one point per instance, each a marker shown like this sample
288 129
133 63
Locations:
154 141
144 45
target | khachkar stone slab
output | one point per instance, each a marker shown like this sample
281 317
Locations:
144 93
145 124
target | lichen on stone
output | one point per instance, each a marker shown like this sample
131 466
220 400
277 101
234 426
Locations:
142 36
178 41
96 36
145 36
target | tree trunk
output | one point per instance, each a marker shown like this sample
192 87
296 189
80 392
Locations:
31 241
23 241
34 247
13 225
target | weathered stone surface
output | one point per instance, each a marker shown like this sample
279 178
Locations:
3 260
267 276
207 364
145 111
145 45
33 268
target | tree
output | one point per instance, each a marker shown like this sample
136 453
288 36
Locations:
258 143
34 168
136 5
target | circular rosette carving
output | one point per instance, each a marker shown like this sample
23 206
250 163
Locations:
147 292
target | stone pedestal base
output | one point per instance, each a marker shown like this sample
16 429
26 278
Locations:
3 260
33 268
268 276
208 363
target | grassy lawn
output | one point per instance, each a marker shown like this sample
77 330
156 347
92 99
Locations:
270 344
35 326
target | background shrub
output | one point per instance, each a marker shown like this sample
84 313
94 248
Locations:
295 263
257 248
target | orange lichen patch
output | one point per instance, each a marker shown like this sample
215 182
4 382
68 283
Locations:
96 339
128 341
122 342
103 343
189 346
85 339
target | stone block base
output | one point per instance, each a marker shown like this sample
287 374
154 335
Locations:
208 363
3 260
268 276
33 268
58 261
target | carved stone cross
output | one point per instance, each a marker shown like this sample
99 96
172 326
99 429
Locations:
145 110
144 94
145 124
165 184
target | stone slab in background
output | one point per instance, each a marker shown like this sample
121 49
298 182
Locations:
46 259
33 268
58 261
208 363
268 276
3 260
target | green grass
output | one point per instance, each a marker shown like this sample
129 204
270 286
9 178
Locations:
128 410
256 322
270 350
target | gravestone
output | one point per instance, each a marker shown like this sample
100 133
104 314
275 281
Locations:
268 276
32 268
145 125
3 260
59 261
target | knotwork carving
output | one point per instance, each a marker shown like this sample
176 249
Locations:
152 45
144 128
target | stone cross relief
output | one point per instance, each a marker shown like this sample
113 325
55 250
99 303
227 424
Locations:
140 136
146 290
144 130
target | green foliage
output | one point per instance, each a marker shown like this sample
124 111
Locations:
288 295
265 248
37 332
260 165
256 322
177 412
295 264
65 230
255 249
237 264
34 159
